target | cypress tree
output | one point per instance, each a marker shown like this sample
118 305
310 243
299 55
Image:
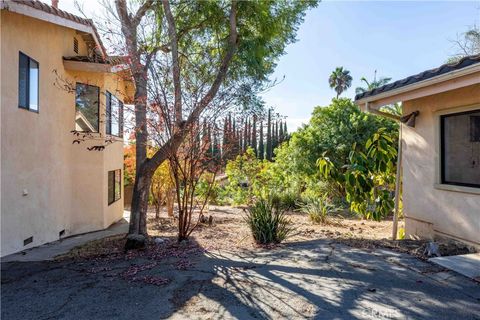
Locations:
261 149
245 137
216 152
274 138
207 141
234 142
239 141
269 136
249 133
254 134
225 138
285 132
281 136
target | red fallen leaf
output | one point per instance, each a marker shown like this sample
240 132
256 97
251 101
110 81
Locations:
183 264
133 270
154 280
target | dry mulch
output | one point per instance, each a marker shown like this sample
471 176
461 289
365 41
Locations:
229 232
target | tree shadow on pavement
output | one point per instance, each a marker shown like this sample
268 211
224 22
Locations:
310 279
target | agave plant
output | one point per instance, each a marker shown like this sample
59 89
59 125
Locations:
268 222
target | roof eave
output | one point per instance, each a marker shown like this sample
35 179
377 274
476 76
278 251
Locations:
421 84
52 18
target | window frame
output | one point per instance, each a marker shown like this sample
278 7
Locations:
27 94
98 104
108 113
443 179
113 182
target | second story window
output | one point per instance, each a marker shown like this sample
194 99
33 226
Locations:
114 119
87 107
28 83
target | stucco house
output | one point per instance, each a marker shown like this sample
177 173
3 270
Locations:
440 144
57 78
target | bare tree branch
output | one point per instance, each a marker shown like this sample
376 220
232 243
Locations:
172 32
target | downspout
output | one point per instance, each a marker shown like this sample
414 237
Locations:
399 166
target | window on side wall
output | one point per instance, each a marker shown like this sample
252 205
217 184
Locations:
114 118
460 148
87 107
114 185
28 76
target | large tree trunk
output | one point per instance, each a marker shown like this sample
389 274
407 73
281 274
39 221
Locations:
138 217
137 232
146 167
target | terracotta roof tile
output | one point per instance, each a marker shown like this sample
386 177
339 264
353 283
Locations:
39 5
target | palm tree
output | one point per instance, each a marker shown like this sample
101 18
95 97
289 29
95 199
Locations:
395 109
340 80
373 84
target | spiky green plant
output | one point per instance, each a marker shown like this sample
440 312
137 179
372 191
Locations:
268 222
317 209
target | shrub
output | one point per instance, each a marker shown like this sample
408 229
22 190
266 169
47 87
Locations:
286 200
318 209
268 222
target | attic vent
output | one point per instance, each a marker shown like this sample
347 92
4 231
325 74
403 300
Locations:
75 45
27 241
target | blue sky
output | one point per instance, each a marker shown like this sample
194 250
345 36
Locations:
397 39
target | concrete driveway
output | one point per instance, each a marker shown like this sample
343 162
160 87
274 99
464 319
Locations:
315 279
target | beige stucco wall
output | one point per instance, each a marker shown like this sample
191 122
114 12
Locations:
430 209
66 184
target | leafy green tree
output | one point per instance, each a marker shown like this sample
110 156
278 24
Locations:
187 58
332 131
340 80
369 175
248 177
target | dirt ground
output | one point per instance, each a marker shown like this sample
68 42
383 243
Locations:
230 232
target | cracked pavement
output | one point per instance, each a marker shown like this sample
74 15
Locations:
316 279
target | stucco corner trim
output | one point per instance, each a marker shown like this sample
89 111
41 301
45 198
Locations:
462 189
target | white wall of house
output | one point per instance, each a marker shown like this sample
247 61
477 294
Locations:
432 209
47 183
